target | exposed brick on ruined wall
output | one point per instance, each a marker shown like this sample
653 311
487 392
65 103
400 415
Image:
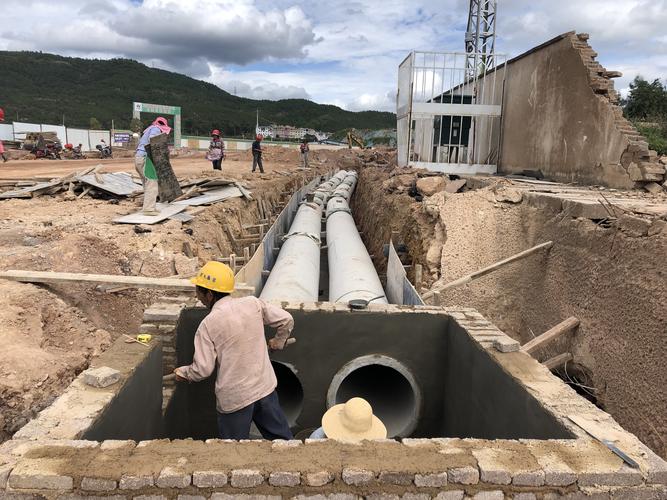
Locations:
638 160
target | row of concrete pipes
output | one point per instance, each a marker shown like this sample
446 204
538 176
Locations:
296 273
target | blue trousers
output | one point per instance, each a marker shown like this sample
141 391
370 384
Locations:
267 415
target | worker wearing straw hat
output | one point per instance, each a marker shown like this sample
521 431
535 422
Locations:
352 422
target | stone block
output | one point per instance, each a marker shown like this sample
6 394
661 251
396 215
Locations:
657 492
285 479
382 496
72 496
357 477
399 478
101 377
171 477
524 496
493 475
528 478
282 444
331 496
318 478
209 479
658 226
625 476
116 444
635 227
149 328
416 496
450 495
506 344
428 186
128 482
191 497
246 478
150 497
463 475
236 496
416 442
168 312
29 477
489 495
97 484
435 480
5 470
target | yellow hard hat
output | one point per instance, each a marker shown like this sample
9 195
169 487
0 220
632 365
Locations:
215 276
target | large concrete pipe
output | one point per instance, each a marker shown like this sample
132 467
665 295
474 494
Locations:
296 273
324 190
290 391
352 275
387 385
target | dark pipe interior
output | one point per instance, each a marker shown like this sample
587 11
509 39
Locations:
290 391
388 392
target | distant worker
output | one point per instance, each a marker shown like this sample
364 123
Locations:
146 169
352 422
304 153
2 146
231 338
216 150
257 154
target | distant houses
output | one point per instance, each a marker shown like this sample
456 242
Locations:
289 132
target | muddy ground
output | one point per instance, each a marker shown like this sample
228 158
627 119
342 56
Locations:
610 277
50 332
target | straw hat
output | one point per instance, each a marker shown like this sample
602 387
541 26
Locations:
353 421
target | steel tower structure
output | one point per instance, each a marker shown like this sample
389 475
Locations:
480 37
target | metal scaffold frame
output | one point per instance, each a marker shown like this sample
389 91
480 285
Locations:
447 120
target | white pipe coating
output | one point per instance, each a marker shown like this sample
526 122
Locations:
351 271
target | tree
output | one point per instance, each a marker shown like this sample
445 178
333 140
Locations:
136 125
95 123
646 101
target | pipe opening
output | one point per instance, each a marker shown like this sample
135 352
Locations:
290 391
387 385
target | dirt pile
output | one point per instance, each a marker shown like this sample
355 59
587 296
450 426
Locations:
606 272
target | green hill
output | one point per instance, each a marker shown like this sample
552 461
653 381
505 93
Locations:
44 87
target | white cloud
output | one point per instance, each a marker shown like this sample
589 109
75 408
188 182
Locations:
344 53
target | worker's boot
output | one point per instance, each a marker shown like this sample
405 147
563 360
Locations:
4 158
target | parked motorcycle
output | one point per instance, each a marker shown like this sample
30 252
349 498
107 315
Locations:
105 150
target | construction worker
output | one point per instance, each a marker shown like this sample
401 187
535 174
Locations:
145 168
352 422
257 153
216 150
231 336
304 153
2 146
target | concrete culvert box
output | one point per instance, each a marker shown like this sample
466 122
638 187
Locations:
422 372
387 385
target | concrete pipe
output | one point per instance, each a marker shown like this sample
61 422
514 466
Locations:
290 391
324 190
296 274
387 385
352 275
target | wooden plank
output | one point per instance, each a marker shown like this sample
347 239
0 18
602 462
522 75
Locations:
212 197
550 335
483 272
558 361
119 280
166 211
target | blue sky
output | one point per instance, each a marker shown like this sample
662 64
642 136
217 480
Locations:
343 53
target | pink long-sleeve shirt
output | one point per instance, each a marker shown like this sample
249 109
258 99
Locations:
232 336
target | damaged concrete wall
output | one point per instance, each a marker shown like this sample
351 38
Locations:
561 117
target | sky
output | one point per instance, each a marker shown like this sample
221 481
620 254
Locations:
344 53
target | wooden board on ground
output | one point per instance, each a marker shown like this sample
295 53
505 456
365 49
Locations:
31 191
166 211
214 196
119 183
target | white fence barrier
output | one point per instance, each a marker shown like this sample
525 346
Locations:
87 138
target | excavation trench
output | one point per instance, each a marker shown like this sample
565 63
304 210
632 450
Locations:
422 372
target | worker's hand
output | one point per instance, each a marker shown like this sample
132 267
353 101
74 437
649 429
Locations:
276 344
179 376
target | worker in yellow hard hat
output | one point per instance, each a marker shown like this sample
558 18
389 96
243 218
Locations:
231 337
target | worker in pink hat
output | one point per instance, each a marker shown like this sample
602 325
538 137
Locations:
145 166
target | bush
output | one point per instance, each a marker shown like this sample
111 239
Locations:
656 135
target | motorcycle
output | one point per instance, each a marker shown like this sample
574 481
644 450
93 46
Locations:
105 151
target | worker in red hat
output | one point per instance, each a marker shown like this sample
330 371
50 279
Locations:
257 153
145 167
2 146
216 150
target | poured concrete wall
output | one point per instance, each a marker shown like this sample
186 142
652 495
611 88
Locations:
462 390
